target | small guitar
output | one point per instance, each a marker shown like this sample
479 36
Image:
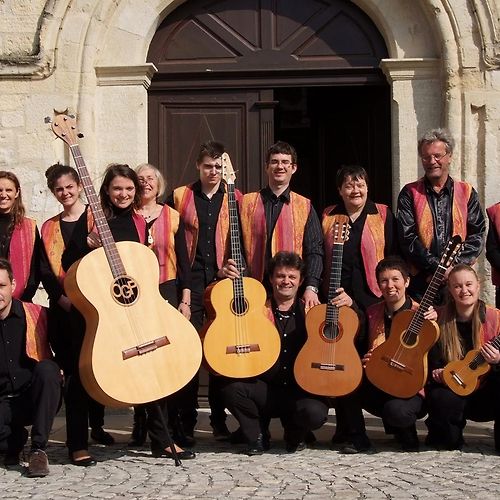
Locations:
464 376
240 340
328 363
398 366
137 348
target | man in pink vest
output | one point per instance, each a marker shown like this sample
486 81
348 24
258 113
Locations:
30 382
435 208
493 247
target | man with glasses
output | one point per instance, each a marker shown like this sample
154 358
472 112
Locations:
277 219
435 208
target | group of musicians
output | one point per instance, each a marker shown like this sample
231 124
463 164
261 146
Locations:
387 264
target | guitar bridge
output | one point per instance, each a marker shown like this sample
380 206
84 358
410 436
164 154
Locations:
242 348
396 364
331 367
457 379
144 348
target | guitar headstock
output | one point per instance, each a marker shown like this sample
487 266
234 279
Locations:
452 251
228 173
341 230
64 126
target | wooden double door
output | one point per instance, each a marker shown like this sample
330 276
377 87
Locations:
249 72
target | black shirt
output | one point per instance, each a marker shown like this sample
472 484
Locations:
292 329
15 365
312 245
388 317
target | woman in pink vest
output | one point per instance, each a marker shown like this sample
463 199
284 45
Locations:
466 323
493 247
19 238
166 237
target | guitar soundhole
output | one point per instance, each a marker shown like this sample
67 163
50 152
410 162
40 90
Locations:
125 290
239 306
331 331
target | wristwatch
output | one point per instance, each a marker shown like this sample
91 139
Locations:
312 288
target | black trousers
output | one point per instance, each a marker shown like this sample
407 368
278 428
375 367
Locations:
36 406
448 412
253 402
156 425
396 413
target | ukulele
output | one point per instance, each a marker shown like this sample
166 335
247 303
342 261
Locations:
464 376
240 340
137 348
398 366
328 363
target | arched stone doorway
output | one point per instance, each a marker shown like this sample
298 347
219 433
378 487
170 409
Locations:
250 72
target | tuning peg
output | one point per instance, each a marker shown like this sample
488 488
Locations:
47 119
80 135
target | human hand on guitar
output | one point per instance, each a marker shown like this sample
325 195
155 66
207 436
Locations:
310 298
431 314
228 270
490 354
341 298
437 375
366 357
93 240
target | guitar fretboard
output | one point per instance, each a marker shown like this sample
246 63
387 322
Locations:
108 242
332 312
239 295
479 358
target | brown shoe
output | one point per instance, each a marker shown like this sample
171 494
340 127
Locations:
38 465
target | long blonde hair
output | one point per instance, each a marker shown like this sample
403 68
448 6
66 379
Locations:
449 340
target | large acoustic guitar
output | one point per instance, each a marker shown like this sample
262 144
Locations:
328 363
464 376
240 340
398 366
137 347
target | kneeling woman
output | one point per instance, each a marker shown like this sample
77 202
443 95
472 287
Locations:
466 323
120 194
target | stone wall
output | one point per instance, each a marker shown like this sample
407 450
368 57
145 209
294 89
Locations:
89 56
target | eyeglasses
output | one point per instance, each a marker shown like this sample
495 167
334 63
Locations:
438 157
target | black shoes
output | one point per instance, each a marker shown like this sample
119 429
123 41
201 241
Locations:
182 455
220 432
292 447
38 465
358 444
407 438
85 461
99 435
258 447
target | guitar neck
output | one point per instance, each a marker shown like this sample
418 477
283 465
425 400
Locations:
332 312
427 300
101 222
234 231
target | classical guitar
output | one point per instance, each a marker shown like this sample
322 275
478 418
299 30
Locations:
398 366
137 348
464 376
328 363
240 340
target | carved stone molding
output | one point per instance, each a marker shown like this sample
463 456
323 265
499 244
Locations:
487 15
410 69
125 75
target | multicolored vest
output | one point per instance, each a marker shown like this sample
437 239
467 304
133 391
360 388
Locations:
37 344
494 216
372 243
376 324
53 242
288 233
162 242
22 246
491 327
184 203
423 214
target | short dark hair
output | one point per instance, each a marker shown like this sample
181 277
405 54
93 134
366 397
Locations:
213 149
281 148
54 172
355 172
393 262
286 259
7 266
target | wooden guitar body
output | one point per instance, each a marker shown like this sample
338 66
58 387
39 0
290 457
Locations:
137 347
463 377
329 366
239 345
398 368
